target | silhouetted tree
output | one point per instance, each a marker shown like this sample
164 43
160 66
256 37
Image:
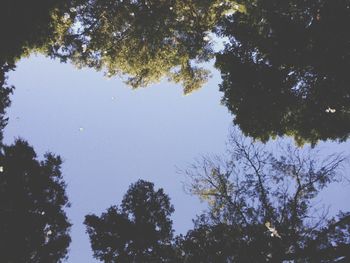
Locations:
139 231
286 69
5 102
222 242
33 224
262 207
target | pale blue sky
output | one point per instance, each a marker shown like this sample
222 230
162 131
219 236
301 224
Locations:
127 134
109 136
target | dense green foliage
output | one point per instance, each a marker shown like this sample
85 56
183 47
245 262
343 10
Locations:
147 39
33 224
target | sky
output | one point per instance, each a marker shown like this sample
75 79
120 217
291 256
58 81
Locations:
109 136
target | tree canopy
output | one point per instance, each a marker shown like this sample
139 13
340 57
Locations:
139 231
33 224
146 39
286 69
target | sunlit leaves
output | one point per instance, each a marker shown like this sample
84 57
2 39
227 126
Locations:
146 40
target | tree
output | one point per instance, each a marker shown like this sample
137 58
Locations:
146 39
139 231
5 102
33 224
262 207
222 242
286 69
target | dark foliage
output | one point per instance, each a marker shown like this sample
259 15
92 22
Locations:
286 69
5 102
222 243
33 224
139 231
27 26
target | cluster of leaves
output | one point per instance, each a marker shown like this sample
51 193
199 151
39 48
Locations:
146 39
261 209
33 224
286 69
